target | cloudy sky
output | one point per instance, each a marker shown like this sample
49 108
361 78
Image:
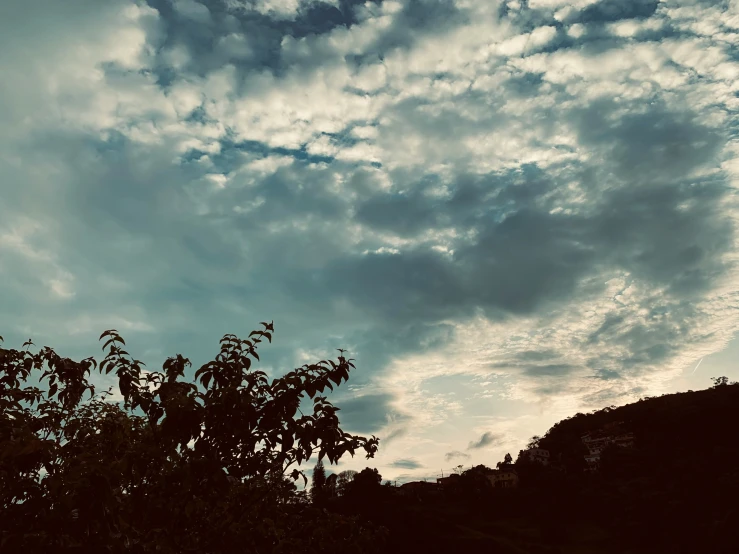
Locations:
507 212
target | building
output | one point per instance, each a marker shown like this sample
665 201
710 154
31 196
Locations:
446 481
538 455
597 441
504 478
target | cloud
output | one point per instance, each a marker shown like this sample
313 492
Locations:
407 464
369 413
487 439
539 196
456 454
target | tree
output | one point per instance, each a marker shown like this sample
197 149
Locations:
368 477
178 466
343 480
522 457
366 483
508 460
474 482
330 486
720 381
318 485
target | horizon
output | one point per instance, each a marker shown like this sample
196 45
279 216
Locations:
506 212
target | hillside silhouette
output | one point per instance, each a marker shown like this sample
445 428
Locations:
674 490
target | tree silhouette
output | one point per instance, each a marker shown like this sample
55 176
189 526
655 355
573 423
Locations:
343 480
318 483
180 466
366 483
720 381
330 487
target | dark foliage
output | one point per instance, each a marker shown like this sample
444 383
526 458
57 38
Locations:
179 467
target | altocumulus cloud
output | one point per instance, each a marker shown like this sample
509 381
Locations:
538 195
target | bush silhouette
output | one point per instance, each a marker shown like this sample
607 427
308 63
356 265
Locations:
204 466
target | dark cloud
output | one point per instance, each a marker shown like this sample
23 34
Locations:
407 464
669 230
405 214
487 439
551 370
609 11
241 34
368 413
649 144
455 454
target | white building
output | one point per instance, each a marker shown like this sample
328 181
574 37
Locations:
503 478
539 455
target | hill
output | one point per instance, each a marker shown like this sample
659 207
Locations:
673 491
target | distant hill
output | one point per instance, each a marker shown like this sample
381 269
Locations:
675 491
680 429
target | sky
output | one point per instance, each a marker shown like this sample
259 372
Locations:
507 212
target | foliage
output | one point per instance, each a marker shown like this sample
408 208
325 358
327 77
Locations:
318 483
508 460
343 480
330 486
179 466
365 483
721 381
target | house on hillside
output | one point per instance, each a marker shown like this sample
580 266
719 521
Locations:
597 441
504 478
538 455
446 481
